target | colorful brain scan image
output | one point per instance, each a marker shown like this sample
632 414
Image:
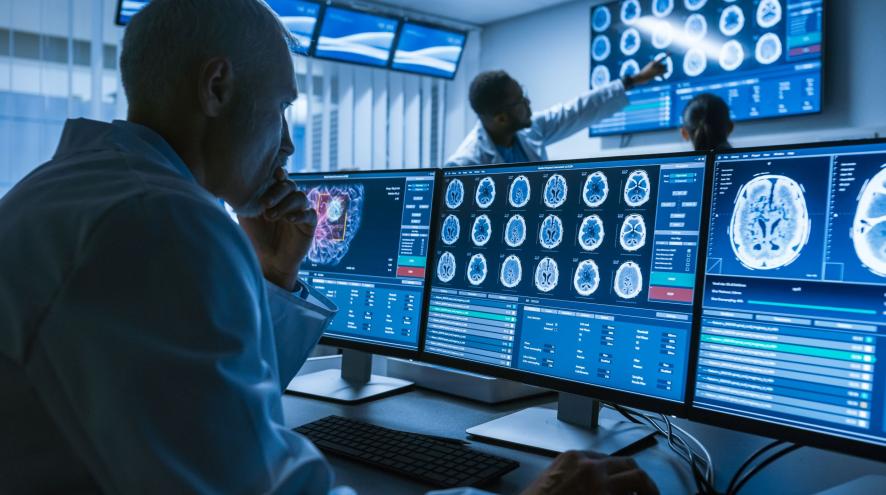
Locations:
515 231
518 194
662 35
591 233
600 76
600 48
477 269
632 235
695 62
768 13
485 194
694 5
339 211
630 12
637 189
555 191
446 267
768 49
596 190
731 20
546 275
695 27
551 232
587 278
481 231
869 225
628 280
450 230
455 193
662 8
669 66
511 272
628 68
731 55
630 42
770 223
601 18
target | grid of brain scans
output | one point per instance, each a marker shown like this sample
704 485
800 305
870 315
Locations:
569 270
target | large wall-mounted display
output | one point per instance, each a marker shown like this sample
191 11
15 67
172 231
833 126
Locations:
428 50
351 36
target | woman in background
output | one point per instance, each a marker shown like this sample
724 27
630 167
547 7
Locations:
707 124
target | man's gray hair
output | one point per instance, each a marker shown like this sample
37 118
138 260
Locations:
168 37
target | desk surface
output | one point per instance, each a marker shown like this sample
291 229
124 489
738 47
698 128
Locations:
802 472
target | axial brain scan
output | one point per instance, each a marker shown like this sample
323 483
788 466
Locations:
662 8
731 55
511 272
591 233
455 193
596 189
633 233
515 231
695 62
587 278
695 27
477 269
630 11
485 194
628 280
768 13
770 223
600 76
555 191
768 49
694 5
546 275
600 48
601 18
628 68
450 230
731 20
446 267
869 225
662 35
481 231
551 232
518 195
637 188
630 42
339 209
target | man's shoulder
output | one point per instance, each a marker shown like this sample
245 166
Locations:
471 151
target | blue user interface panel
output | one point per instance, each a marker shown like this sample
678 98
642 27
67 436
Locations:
763 57
794 305
128 8
300 18
370 250
428 50
580 271
358 37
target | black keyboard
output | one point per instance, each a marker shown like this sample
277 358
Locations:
432 460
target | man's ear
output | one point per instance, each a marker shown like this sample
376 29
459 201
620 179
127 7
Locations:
216 86
684 133
731 128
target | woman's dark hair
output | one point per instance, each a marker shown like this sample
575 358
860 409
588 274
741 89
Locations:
706 119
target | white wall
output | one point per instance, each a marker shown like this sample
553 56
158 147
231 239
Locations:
548 52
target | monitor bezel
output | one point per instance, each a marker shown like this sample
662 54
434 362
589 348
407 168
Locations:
758 426
378 348
438 27
319 28
633 399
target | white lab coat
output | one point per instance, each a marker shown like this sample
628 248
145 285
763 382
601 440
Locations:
554 124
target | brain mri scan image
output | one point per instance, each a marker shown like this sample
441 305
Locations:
731 55
455 193
637 189
600 77
768 13
770 224
485 194
662 8
450 230
587 278
601 18
446 267
591 233
518 195
596 190
546 275
694 5
600 48
630 42
869 225
551 232
630 12
632 235
511 272
628 68
731 20
481 231
477 269
669 66
515 231
695 62
768 49
339 211
662 35
628 280
695 27
555 191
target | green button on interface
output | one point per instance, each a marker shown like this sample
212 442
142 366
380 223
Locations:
672 279
411 261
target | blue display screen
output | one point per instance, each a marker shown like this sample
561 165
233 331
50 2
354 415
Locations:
370 250
429 51
763 57
358 37
300 18
794 307
577 271
127 9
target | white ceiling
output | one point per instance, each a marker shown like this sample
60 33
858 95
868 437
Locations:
479 12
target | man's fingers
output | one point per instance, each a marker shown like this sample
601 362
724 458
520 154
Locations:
614 465
631 482
294 201
306 217
276 193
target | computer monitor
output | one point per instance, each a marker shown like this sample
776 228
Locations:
763 57
348 35
128 8
369 256
428 50
792 339
300 18
578 276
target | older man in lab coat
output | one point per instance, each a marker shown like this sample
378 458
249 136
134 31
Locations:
145 337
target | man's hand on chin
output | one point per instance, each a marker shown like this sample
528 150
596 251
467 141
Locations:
282 234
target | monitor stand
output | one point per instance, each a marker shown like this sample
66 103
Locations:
354 383
575 425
